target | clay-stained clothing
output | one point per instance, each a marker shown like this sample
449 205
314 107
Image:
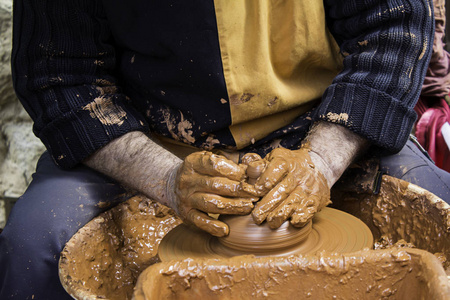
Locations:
248 75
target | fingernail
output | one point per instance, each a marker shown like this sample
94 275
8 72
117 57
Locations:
257 218
218 230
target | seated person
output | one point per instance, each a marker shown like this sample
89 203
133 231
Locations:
107 81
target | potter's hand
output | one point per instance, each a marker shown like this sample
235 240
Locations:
202 183
293 187
209 183
296 184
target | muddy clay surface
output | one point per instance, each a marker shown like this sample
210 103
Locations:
330 230
105 258
107 255
369 274
401 215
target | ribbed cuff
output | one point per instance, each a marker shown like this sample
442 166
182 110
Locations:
382 119
77 134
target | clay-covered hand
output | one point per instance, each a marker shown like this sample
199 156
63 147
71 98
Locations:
293 188
209 183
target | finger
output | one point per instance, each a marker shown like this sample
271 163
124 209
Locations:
206 223
211 164
219 185
284 211
305 211
251 190
250 157
215 204
273 198
324 195
274 172
254 170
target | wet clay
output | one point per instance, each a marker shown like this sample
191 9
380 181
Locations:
107 255
291 189
104 258
401 211
210 183
367 274
246 236
331 230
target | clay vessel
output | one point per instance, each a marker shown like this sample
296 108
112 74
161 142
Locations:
105 258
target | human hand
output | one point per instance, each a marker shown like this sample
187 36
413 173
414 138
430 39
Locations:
209 183
293 188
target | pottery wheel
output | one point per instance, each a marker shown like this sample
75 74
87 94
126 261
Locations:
331 230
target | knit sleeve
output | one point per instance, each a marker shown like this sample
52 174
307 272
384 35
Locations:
63 65
386 47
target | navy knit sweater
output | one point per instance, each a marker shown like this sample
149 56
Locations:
89 71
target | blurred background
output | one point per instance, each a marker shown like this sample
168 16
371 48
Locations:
19 148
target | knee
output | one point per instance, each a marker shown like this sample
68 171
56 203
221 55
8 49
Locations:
29 256
411 165
28 236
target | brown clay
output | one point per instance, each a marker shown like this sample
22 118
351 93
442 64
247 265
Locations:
292 189
254 170
210 183
247 237
367 274
256 166
401 211
331 230
107 255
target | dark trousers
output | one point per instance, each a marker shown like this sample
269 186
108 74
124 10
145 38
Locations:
58 202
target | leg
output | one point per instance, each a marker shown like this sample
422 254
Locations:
56 204
411 165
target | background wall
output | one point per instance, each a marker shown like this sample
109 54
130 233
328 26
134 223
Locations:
19 148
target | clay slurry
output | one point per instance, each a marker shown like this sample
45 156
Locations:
332 230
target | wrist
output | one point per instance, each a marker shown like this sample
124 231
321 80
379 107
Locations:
171 196
333 148
321 166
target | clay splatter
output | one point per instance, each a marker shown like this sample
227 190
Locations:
210 143
337 118
184 130
178 130
107 112
363 43
239 99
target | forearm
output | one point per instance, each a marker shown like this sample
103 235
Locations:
333 148
136 161
66 79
